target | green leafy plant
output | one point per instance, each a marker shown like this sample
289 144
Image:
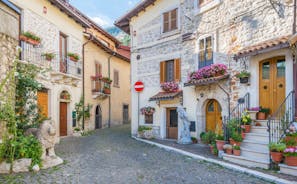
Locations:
144 128
209 137
220 137
106 80
82 110
73 55
236 136
31 35
265 110
277 147
246 118
48 56
236 147
243 74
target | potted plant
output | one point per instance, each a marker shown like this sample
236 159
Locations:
106 80
236 150
106 89
194 140
30 38
209 137
276 151
291 134
147 110
145 132
242 131
73 56
220 142
243 76
253 112
262 114
291 156
246 120
170 86
228 148
48 56
235 138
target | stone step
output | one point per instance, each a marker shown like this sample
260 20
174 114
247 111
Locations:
248 162
259 129
258 145
257 137
255 153
285 169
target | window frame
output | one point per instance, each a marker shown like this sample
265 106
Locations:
208 5
205 62
116 84
170 31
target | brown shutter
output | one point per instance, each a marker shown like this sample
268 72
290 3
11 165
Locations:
162 71
173 19
42 101
166 22
177 70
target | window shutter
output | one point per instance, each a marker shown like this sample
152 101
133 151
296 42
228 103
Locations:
162 71
116 78
96 68
173 19
177 70
166 22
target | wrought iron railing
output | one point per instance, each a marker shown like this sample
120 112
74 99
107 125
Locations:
59 63
235 115
100 86
281 119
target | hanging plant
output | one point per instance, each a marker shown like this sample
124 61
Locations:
243 76
147 110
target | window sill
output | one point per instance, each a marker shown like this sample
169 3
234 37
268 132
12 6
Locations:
116 86
170 33
206 7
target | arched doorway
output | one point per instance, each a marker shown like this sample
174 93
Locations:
64 100
98 117
272 83
213 115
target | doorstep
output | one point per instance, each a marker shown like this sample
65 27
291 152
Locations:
285 169
189 150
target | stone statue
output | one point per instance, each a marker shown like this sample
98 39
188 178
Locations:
46 134
184 129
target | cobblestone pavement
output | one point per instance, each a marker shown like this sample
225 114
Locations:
111 156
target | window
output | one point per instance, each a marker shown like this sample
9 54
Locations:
116 78
202 6
98 69
170 71
203 2
170 20
205 52
148 119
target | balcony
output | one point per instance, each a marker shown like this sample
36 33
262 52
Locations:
59 64
100 87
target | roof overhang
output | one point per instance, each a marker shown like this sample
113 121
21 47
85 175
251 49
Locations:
161 96
124 22
264 47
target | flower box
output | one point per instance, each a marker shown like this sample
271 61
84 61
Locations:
30 38
170 86
291 160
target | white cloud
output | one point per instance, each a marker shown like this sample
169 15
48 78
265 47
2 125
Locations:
102 20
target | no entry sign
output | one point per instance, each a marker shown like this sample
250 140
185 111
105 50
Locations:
138 86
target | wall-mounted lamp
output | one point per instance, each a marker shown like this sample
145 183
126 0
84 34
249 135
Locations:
201 95
134 33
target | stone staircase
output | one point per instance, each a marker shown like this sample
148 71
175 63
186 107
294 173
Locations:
254 148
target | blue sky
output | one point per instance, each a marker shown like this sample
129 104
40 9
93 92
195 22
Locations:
104 12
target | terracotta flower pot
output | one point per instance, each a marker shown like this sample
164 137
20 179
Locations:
291 160
106 91
237 143
33 42
220 144
72 59
261 116
229 151
23 38
211 149
232 142
247 128
236 152
276 157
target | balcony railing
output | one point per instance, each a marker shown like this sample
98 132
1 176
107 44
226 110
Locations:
99 86
60 63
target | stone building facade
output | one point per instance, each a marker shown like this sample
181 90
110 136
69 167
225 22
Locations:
253 32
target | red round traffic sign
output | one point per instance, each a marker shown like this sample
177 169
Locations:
138 86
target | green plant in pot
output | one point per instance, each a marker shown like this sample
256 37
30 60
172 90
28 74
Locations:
243 76
48 56
236 150
220 141
194 140
209 137
276 151
246 120
262 114
236 138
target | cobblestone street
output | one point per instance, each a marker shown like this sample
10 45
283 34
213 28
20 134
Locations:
111 156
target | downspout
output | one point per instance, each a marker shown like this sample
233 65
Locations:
83 77
109 99
294 59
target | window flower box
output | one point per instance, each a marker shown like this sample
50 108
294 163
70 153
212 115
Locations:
147 110
170 86
73 56
243 76
48 56
30 38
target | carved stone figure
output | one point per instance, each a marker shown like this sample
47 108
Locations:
184 127
46 134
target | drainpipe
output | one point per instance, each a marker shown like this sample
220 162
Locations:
83 76
294 59
109 99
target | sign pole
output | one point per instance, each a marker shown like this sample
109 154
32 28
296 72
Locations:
138 86
138 109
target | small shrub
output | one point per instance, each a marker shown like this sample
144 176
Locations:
209 137
144 128
277 147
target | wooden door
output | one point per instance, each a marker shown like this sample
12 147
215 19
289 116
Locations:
98 118
272 83
172 123
63 53
42 101
213 115
63 119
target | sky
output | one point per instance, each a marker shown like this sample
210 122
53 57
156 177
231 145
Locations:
104 12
